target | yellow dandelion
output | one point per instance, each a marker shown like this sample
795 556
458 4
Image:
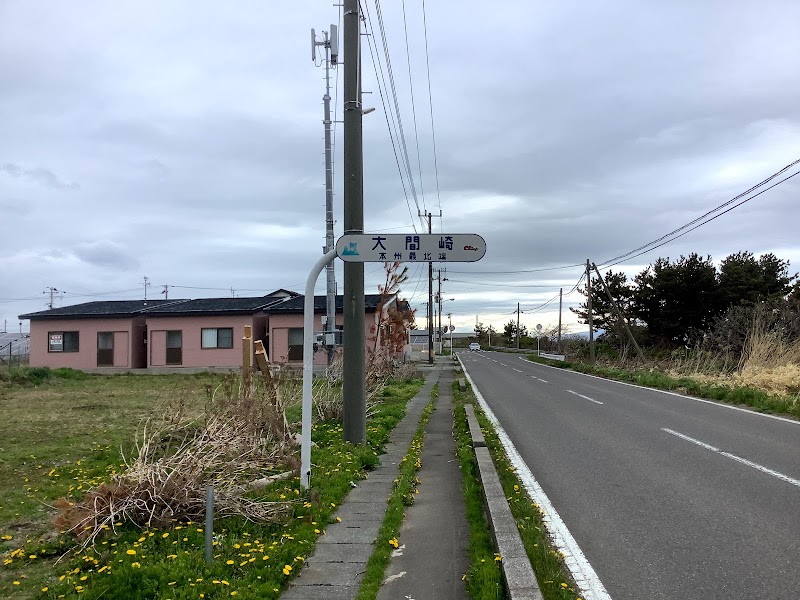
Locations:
287 569
229 562
136 565
130 552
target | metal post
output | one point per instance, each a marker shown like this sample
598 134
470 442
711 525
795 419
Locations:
209 523
589 310
517 325
560 299
308 366
330 274
354 354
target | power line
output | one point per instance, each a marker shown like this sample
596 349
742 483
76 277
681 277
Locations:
430 103
512 285
541 270
413 107
402 136
387 113
669 237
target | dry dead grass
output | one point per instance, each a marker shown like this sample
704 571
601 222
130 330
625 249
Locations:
769 362
242 436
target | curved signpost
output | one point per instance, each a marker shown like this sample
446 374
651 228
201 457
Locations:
373 247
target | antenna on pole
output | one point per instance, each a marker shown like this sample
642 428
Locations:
330 45
334 44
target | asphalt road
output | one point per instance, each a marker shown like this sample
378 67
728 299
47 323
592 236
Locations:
668 497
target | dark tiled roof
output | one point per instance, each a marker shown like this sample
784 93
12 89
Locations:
295 305
99 308
205 306
129 308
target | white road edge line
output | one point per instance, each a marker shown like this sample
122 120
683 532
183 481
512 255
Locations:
711 402
744 461
582 572
585 397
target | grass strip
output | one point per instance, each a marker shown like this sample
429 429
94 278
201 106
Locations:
251 560
547 562
402 496
756 399
484 579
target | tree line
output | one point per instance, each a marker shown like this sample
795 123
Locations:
672 303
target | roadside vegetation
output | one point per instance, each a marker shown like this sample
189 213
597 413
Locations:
761 370
81 450
484 579
727 332
402 496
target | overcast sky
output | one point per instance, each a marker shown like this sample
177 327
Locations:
183 141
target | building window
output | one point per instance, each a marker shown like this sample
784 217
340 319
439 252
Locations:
62 341
105 349
295 343
221 337
174 347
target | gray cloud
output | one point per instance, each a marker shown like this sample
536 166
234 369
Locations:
39 175
107 255
562 134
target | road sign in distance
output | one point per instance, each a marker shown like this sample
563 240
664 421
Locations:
389 247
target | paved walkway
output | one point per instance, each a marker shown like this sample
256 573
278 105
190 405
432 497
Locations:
335 570
434 537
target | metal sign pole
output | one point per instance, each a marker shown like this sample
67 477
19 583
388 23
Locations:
308 367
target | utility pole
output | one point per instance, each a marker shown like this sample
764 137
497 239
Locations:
560 298
517 325
354 369
146 285
619 314
53 291
330 43
428 216
589 310
450 327
439 302
165 291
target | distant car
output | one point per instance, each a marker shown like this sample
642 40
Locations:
475 347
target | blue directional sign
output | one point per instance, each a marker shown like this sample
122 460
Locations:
400 247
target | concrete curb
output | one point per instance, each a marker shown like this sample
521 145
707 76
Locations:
518 574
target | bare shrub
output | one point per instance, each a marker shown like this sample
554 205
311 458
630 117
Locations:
241 436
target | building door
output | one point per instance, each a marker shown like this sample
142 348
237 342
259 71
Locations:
105 349
174 347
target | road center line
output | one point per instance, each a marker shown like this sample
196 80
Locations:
518 371
744 461
585 397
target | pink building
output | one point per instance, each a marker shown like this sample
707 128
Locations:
173 334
